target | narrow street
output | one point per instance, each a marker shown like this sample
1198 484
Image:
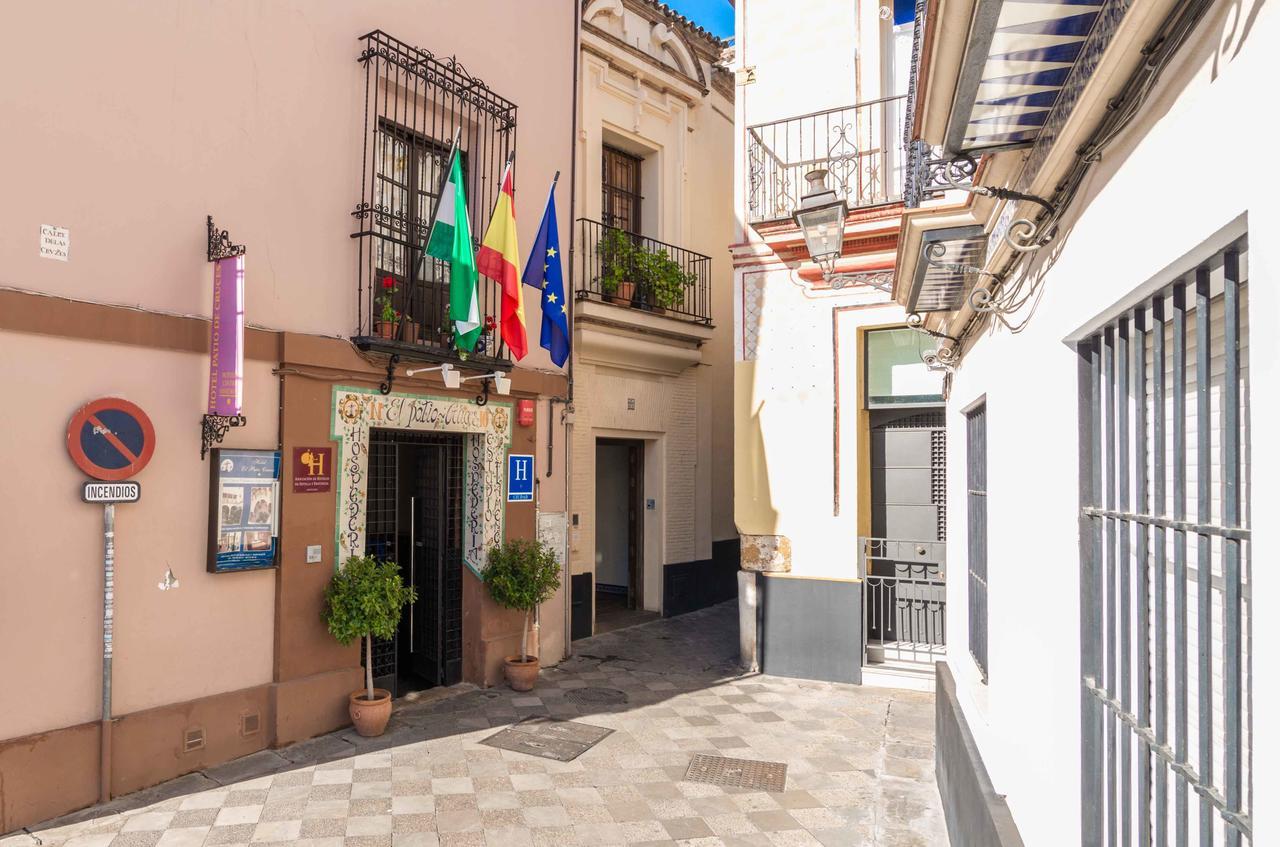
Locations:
859 765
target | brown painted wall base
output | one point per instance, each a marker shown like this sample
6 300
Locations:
47 774
313 705
52 773
147 746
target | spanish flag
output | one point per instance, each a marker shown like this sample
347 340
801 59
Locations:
499 260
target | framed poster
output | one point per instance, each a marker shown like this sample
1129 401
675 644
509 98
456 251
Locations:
244 509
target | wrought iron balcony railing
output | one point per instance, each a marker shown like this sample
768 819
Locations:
620 267
414 104
859 146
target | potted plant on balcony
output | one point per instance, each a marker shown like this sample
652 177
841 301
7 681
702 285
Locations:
665 281
617 261
365 599
522 574
387 317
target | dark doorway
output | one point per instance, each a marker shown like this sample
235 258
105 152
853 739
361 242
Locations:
619 567
905 581
414 516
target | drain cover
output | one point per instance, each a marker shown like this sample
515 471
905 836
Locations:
739 773
549 738
596 696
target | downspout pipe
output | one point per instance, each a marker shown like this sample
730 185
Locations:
568 400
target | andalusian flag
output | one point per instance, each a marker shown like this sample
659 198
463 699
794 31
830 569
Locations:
450 241
499 260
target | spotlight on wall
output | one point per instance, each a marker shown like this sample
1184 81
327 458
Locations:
452 379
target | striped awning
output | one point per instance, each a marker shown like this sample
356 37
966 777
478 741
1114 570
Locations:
1019 57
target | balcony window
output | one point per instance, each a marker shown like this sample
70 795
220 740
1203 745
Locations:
414 105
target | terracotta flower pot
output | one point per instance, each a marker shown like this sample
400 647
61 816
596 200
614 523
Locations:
521 675
622 297
386 329
370 716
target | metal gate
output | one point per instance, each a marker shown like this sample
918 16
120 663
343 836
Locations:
1164 549
414 517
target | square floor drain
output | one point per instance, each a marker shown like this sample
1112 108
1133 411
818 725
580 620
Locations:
737 773
549 738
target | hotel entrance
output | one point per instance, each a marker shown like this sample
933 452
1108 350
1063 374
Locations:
415 519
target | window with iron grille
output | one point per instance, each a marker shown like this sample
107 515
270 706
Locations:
620 186
1165 572
415 105
976 421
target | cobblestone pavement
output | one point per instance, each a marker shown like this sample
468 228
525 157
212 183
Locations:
860 765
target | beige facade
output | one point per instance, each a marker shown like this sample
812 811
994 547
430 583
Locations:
819 85
652 93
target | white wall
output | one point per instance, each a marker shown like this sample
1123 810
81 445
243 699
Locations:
1139 212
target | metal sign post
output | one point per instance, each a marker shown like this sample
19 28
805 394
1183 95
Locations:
108 625
109 439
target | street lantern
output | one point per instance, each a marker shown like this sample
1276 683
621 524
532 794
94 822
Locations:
821 219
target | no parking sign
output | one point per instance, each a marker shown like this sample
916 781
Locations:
110 439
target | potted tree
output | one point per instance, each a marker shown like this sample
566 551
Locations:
617 260
522 574
365 599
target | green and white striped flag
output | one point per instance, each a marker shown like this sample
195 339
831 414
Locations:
450 241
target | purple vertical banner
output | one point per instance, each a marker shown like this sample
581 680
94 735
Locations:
226 337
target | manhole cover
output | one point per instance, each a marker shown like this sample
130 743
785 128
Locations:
549 738
596 696
739 773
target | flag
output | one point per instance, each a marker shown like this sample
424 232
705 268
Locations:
499 259
543 271
450 241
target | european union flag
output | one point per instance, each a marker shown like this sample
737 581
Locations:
543 271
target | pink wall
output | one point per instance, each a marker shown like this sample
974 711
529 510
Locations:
129 122
213 633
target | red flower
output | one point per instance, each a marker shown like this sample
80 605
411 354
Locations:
489 322
388 282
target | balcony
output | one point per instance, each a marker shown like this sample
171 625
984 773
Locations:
860 147
415 104
631 271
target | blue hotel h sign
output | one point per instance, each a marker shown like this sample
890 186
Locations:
519 478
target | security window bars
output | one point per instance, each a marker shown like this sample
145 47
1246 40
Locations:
414 105
977 502
620 187
1165 600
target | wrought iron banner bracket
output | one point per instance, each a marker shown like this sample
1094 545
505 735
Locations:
482 399
394 360
220 244
213 428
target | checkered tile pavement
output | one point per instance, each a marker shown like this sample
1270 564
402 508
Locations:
860 766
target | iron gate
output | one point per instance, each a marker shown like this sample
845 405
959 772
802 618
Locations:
414 517
1164 734
904 600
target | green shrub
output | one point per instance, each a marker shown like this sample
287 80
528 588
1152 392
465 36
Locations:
365 599
521 575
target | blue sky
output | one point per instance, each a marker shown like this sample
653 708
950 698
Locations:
715 15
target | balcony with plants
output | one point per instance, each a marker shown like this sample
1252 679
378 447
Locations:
634 272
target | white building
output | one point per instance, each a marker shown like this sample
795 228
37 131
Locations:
1106 415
